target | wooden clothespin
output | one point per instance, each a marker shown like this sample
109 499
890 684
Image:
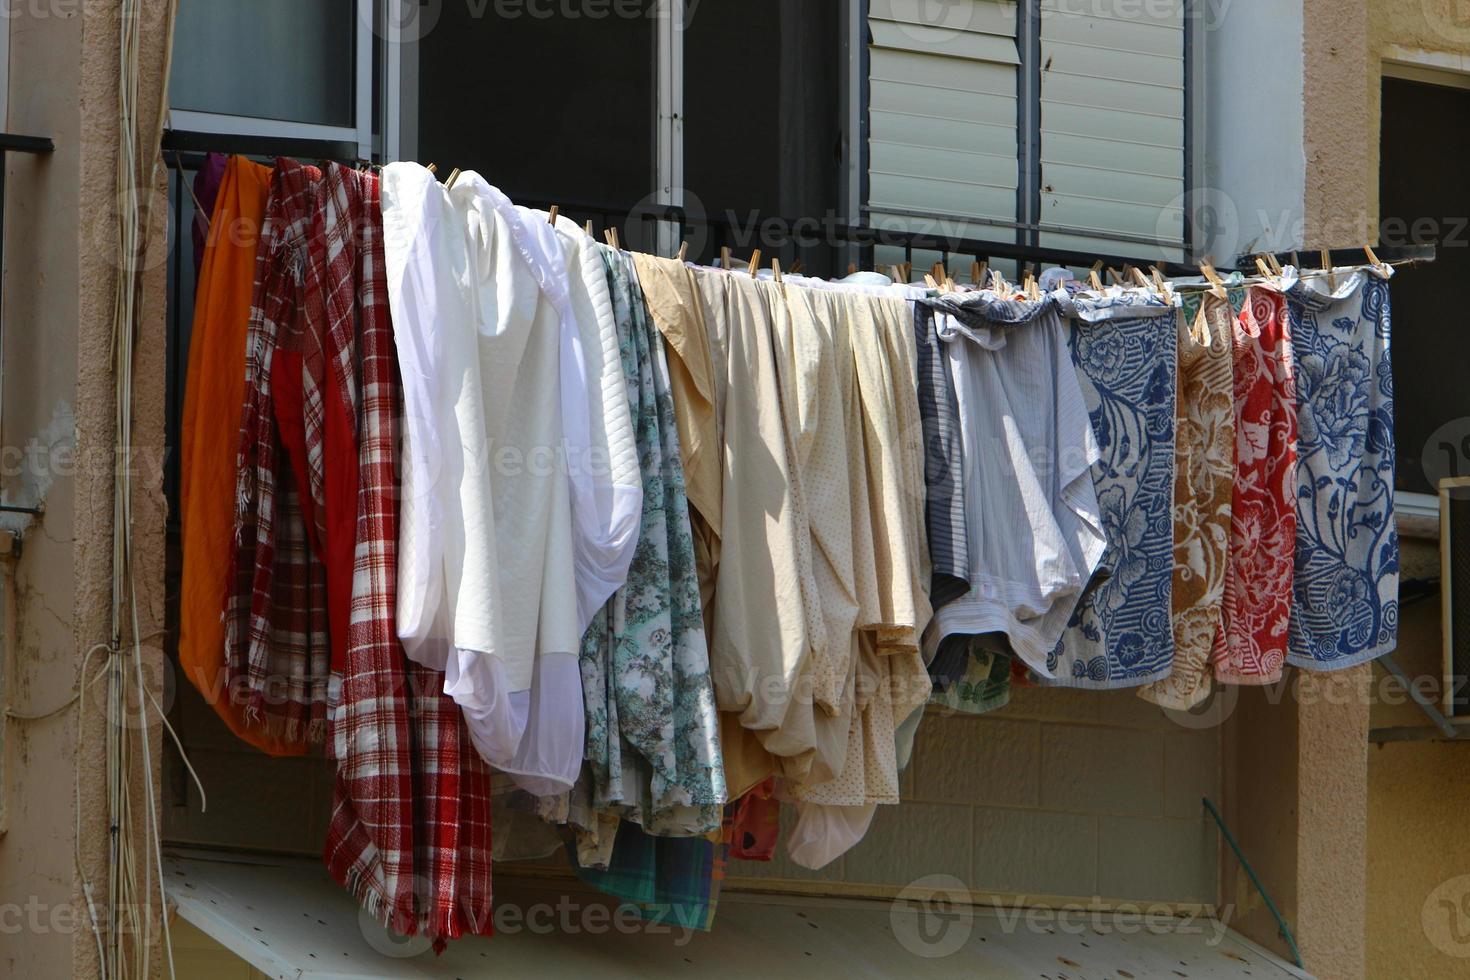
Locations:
588 229
724 256
908 271
852 268
1327 268
797 267
453 176
551 215
930 281
1094 280
1275 265
977 273
998 282
432 168
1296 262
1161 285
776 269
1217 286
896 273
1139 277
611 234
755 263
938 272
1378 264
683 250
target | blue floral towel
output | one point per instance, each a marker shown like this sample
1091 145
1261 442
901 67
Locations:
1124 348
1345 606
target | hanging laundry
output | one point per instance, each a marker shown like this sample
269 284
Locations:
755 824
1124 350
763 628
653 753
1345 582
275 636
1032 518
672 881
411 801
944 462
984 687
673 299
607 513
1204 471
207 184
487 544
891 680
1257 599
209 440
822 416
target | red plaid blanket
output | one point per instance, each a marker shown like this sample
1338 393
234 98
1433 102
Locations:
410 831
275 635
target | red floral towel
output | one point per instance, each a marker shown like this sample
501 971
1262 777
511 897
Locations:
275 637
1257 605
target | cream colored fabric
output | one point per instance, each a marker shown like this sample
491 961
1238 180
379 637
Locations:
762 633
890 679
1204 473
823 418
674 301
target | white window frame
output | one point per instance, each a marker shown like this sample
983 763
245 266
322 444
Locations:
5 71
1435 68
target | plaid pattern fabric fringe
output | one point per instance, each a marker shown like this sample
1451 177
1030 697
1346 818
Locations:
410 831
275 636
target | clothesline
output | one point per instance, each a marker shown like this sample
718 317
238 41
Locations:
786 521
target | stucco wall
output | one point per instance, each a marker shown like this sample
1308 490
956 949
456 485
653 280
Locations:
1418 852
58 390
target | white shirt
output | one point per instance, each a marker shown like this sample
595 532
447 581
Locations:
1033 524
486 543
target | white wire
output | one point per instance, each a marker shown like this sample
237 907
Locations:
126 898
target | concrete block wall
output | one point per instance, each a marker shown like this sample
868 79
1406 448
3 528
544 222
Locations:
1062 794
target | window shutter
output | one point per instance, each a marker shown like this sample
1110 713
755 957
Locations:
944 81
942 114
1112 126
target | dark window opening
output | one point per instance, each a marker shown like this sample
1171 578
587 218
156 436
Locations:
1424 198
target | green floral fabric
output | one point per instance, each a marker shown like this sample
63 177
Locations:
652 748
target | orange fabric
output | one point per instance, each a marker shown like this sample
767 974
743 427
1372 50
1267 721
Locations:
213 398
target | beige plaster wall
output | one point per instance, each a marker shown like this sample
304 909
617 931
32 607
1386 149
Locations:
58 390
1418 852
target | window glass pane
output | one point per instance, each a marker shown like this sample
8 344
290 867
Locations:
552 103
763 127
274 59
